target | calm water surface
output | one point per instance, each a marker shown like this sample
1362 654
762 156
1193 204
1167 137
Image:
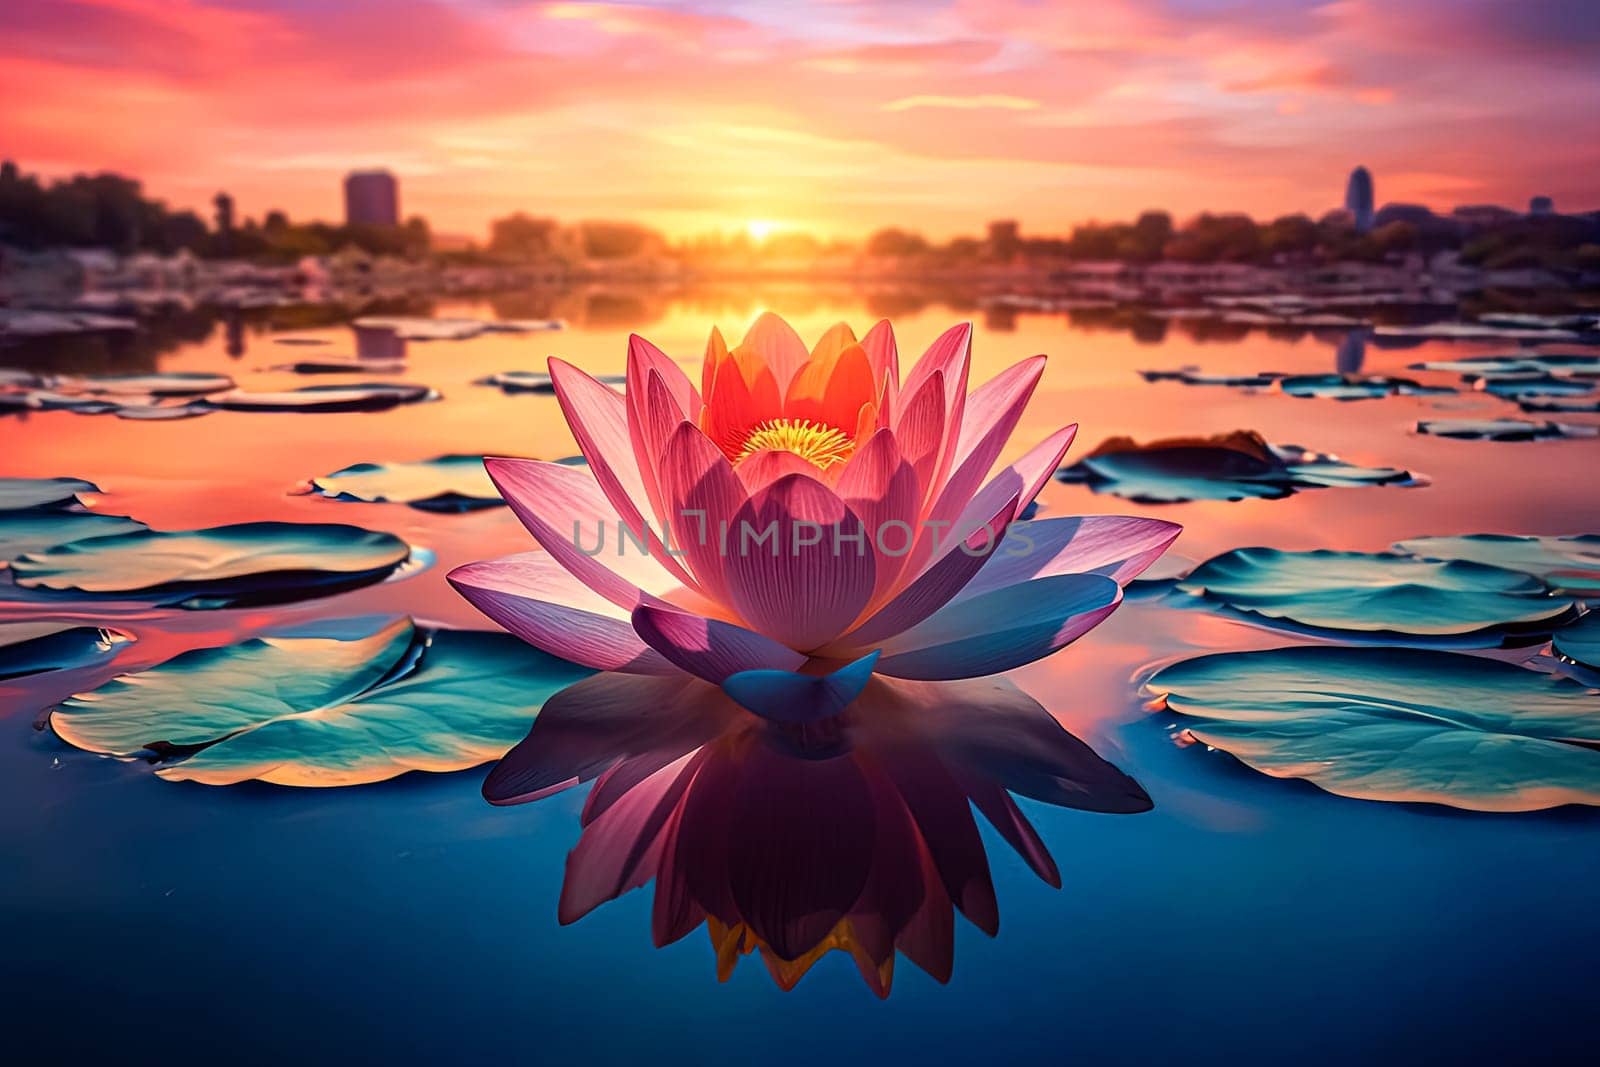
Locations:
1244 919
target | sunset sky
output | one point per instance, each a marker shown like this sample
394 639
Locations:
835 117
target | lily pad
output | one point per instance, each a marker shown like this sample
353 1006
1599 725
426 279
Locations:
1502 429
1397 724
152 385
224 566
338 703
528 381
1569 363
1355 387
343 366
447 483
1475 331
1517 386
1569 565
20 494
1560 406
1188 376
1379 594
1580 642
33 648
22 532
361 396
1232 466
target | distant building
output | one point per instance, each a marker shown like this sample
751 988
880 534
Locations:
1482 214
371 198
1541 205
1358 198
1004 238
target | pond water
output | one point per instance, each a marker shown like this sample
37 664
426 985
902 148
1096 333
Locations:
1243 917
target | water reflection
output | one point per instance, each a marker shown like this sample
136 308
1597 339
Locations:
856 835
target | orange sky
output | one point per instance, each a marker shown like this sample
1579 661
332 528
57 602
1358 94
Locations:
836 117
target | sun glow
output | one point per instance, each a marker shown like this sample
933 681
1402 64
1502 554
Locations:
761 229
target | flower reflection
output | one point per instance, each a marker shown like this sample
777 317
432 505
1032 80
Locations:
854 834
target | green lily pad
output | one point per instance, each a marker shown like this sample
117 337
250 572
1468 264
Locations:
446 483
21 494
342 702
23 532
1378 594
33 648
1396 724
1569 565
249 563
1234 466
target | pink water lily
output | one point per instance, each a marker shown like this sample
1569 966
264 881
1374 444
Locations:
802 520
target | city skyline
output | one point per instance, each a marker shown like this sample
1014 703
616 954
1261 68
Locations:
705 116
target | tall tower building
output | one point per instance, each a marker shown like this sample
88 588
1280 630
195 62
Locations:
371 198
1358 198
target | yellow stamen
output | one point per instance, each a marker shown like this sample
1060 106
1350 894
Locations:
816 443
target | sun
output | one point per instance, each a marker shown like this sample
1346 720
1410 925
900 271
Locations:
761 229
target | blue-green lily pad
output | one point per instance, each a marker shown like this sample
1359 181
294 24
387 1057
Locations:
33 648
1571 363
1233 466
1379 594
447 483
1580 642
358 396
20 494
345 702
23 532
1355 386
224 566
1569 565
1560 405
1517 386
1502 429
1396 724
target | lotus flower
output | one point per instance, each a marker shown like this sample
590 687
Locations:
801 521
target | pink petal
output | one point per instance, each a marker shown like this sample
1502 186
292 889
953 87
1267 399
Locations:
564 508
991 414
1002 629
709 648
768 465
884 356
919 429
804 581
620 850
701 495
963 550
1117 546
537 599
778 346
881 488
643 358
598 418
949 355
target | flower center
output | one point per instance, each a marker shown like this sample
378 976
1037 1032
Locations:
817 444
